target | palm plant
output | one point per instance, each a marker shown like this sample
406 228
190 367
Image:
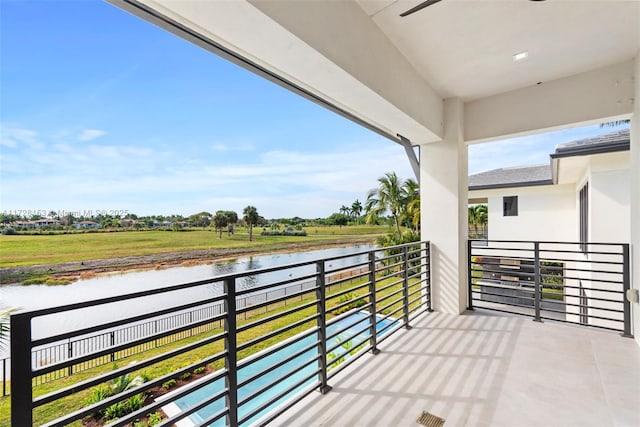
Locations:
412 208
251 218
5 327
356 210
390 196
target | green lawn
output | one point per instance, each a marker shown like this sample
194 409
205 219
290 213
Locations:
22 250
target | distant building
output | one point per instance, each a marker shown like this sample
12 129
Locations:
86 224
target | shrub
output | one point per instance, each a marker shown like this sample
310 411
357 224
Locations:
168 384
9 231
355 302
155 418
199 370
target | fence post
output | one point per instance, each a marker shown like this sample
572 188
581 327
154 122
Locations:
70 355
321 299
113 342
231 344
536 278
469 276
21 392
405 287
626 285
372 299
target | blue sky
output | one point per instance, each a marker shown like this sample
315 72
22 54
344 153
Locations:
100 110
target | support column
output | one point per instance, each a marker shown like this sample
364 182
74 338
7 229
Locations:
443 193
635 198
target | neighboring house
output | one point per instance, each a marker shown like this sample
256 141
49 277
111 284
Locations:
46 222
86 224
583 194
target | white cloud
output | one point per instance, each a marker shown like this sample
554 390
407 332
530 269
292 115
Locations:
224 147
11 136
90 134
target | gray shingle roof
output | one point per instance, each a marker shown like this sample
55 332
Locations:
609 142
511 177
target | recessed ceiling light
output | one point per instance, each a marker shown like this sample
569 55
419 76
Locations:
520 56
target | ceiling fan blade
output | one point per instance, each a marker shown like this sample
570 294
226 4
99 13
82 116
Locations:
419 7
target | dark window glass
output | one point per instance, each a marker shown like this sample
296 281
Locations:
510 206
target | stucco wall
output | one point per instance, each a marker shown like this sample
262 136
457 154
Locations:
609 182
545 213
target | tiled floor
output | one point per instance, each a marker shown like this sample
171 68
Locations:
484 369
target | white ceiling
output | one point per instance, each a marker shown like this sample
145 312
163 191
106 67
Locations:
464 48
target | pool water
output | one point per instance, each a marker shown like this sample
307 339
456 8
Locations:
264 364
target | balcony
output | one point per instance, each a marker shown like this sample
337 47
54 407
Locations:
349 340
485 369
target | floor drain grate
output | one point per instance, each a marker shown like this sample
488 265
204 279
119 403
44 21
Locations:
430 420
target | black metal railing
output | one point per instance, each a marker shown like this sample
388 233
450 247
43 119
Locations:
80 346
565 281
263 359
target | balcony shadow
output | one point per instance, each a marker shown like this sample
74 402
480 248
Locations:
451 366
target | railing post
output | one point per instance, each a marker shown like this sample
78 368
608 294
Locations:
626 285
21 392
4 377
405 287
231 346
372 299
429 293
469 276
321 299
537 293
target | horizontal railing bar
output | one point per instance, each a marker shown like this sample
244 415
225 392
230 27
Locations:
272 384
348 279
181 392
349 302
74 388
347 291
114 349
349 267
109 325
280 363
278 397
347 339
343 355
389 285
547 242
213 418
276 316
336 334
277 332
267 303
276 285
243 363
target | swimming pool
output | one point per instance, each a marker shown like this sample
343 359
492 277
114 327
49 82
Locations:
352 334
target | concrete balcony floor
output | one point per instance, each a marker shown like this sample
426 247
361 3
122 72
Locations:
485 369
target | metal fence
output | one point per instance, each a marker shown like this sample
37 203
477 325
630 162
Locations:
49 354
266 356
570 282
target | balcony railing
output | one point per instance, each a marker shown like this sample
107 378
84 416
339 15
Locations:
565 281
255 360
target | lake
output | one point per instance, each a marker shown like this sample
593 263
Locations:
106 285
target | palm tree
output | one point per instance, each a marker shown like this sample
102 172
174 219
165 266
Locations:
478 215
344 210
390 196
356 210
412 208
220 221
251 218
4 327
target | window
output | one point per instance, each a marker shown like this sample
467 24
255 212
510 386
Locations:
584 218
510 206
